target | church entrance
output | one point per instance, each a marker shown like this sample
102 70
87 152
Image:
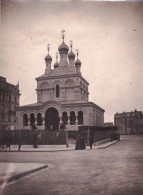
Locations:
52 120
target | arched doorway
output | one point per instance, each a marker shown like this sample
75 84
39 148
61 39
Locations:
52 119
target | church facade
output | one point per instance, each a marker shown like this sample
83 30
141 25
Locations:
62 97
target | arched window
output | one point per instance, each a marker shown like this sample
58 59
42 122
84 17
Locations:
25 120
39 119
32 119
80 118
57 91
65 118
72 118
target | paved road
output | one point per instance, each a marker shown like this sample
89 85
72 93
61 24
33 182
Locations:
112 171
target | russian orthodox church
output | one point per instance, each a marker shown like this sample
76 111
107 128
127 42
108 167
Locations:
62 96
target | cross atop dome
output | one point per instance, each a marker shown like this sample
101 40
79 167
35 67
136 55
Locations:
48 47
63 34
71 42
77 52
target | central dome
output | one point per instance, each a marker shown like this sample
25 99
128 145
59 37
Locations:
63 47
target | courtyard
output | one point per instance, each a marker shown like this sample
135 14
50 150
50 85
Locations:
117 169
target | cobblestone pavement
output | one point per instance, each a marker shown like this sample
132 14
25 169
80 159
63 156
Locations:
115 170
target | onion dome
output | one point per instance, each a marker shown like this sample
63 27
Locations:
71 55
56 64
48 58
77 62
63 47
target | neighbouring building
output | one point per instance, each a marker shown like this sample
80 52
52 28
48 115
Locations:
129 122
62 96
9 100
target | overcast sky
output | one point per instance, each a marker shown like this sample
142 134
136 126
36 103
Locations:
109 36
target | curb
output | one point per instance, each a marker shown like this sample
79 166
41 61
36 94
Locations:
108 145
20 175
41 150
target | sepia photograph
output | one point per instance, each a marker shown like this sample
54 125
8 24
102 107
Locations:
71 97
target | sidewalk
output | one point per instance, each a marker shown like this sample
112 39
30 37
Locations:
13 171
55 148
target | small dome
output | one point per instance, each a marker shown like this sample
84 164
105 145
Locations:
48 58
56 65
71 55
77 62
63 47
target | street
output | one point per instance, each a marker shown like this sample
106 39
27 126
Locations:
115 170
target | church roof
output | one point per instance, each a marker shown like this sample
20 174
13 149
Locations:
60 71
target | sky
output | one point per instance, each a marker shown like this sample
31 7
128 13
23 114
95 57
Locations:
109 36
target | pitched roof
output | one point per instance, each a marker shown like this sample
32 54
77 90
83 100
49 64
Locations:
60 71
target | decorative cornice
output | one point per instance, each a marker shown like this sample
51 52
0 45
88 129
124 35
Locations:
61 105
48 77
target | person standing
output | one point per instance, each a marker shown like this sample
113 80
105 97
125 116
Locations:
91 141
19 141
82 144
8 141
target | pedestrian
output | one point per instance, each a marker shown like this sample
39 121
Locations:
19 141
8 141
118 136
77 147
82 144
35 141
91 141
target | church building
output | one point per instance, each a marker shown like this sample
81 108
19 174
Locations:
62 96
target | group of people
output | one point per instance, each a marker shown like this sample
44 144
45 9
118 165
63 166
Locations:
80 145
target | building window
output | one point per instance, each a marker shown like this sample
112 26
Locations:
72 118
57 91
65 118
25 120
80 118
39 119
32 119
